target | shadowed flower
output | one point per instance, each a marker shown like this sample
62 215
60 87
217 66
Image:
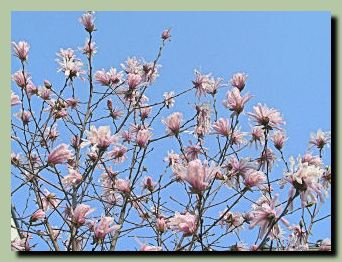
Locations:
21 50
148 183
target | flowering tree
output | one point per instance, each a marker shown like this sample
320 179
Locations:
81 164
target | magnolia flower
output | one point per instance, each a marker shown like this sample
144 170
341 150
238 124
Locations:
254 178
118 154
49 200
264 216
173 123
72 179
15 99
127 136
100 137
232 220
161 224
24 116
203 120
235 102
133 80
192 151
166 34
148 183
168 98
102 77
38 215
312 160
44 93
172 158
320 139
150 248
239 80
51 133
79 214
267 159
123 185
238 137
222 127
21 79
278 139
69 64
183 223
87 21
59 154
325 245
198 175
205 84
21 244
142 138
104 227
267 117
21 50
257 136
89 48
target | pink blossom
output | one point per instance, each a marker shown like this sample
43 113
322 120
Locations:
87 20
169 100
21 244
24 116
38 215
79 214
148 183
198 175
192 151
59 154
254 178
118 154
166 34
89 48
49 200
102 77
320 139
205 84
143 137
183 223
123 186
44 93
172 158
145 112
101 137
203 120
161 224
267 117
31 89
127 136
257 136
21 79
325 245
222 127
150 248
173 123
47 84
238 137
71 102
69 64
239 80
235 102
312 160
72 179
104 227
279 139
232 220
133 80
264 216
21 50
15 99
267 159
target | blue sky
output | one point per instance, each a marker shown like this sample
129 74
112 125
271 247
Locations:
285 54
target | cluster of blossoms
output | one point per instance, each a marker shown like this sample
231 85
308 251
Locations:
89 164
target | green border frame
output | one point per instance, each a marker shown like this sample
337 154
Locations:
334 6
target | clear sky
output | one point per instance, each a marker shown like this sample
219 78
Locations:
285 54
